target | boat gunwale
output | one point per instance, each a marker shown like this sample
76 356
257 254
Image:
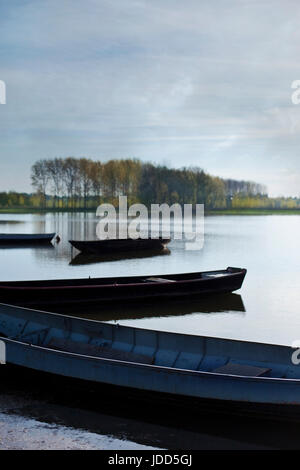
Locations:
3 284
85 242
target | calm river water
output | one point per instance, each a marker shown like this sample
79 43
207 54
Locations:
267 309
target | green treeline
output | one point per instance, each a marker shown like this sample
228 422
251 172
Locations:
244 201
13 199
83 183
80 183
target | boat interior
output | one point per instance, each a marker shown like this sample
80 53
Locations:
100 340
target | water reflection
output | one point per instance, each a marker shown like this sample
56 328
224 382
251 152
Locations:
130 311
138 418
10 222
82 259
265 245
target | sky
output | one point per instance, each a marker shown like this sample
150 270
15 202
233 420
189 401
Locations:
195 83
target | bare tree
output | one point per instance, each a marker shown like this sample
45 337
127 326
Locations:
40 178
70 178
86 181
55 170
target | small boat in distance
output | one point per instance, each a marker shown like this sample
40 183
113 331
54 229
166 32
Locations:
258 377
25 238
119 245
121 289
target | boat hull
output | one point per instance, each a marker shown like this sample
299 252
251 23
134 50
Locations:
145 377
162 407
106 290
176 383
120 245
26 239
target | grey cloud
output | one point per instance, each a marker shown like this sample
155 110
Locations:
190 82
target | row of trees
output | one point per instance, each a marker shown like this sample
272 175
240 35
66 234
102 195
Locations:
10 200
243 201
233 187
71 183
83 183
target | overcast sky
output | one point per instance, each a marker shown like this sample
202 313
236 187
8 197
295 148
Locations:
185 83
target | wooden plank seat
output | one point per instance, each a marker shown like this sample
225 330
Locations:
158 279
245 370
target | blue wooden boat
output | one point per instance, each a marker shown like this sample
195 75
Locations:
25 238
175 365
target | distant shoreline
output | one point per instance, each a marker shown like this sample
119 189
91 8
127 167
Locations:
208 212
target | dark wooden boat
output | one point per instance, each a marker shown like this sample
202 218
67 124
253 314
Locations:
121 289
25 238
221 371
120 245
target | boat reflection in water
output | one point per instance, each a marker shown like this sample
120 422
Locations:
82 259
130 311
11 222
